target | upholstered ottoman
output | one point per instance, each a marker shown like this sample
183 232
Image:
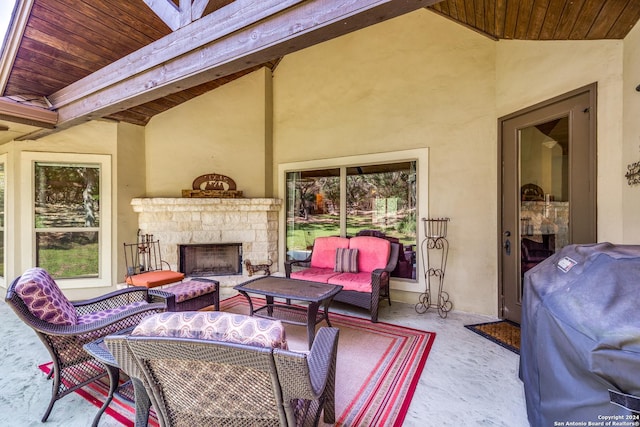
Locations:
193 295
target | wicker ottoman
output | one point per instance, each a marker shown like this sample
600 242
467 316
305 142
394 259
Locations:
193 295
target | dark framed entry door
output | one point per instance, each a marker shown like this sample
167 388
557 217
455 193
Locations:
548 187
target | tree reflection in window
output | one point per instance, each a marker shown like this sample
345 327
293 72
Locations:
67 219
380 201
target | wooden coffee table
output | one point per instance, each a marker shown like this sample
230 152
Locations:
273 287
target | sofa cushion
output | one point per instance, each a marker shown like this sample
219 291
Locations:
44 299
346 260
360 282
321 275
373 252
214 326
324 251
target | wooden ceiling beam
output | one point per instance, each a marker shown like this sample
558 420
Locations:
26 114
177 17
266 31
209 29
168 12
197 8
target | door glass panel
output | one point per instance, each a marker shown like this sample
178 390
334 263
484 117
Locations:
544 191
381 202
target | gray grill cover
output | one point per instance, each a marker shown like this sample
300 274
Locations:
581 334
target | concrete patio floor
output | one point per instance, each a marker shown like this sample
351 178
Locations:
467 380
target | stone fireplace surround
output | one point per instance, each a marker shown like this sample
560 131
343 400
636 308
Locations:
253 222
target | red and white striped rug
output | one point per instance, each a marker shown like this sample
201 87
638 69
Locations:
378 369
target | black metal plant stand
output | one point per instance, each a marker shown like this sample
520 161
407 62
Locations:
435 242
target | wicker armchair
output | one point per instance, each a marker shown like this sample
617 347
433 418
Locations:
65 326
213 368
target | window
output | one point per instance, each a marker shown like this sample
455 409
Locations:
359 198
313 208
69 216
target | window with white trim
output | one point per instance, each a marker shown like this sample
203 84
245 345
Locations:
374 195
69 212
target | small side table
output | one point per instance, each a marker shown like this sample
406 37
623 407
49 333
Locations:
98 350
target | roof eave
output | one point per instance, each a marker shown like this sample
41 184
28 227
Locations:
12 39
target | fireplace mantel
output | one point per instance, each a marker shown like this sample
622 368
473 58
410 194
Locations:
179 221
201 204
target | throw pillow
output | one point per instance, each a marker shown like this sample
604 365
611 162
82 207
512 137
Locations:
346 260
44 299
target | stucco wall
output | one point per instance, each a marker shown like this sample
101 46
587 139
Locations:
422 81
631 139
222 131
97 137
532 72
413 82
129 180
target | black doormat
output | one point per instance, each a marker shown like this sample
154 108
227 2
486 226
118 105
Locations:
503 332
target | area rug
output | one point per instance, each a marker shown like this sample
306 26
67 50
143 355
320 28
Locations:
503 332
378 369
96 393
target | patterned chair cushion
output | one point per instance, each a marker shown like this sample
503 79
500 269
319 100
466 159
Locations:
44 299
193 288
214 326
96 316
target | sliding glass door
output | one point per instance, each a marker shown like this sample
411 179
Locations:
373 200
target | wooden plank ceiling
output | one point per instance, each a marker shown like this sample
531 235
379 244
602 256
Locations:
65 41
544 19
68 40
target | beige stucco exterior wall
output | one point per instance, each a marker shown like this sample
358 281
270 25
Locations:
97 137
222 131
532 72
418 81
129 182
631 137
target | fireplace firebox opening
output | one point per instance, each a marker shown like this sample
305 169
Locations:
210 259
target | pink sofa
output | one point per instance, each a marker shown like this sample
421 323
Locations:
361 265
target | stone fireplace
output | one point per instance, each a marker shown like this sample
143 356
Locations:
251 224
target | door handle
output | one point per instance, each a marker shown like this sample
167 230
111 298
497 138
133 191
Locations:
507 243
